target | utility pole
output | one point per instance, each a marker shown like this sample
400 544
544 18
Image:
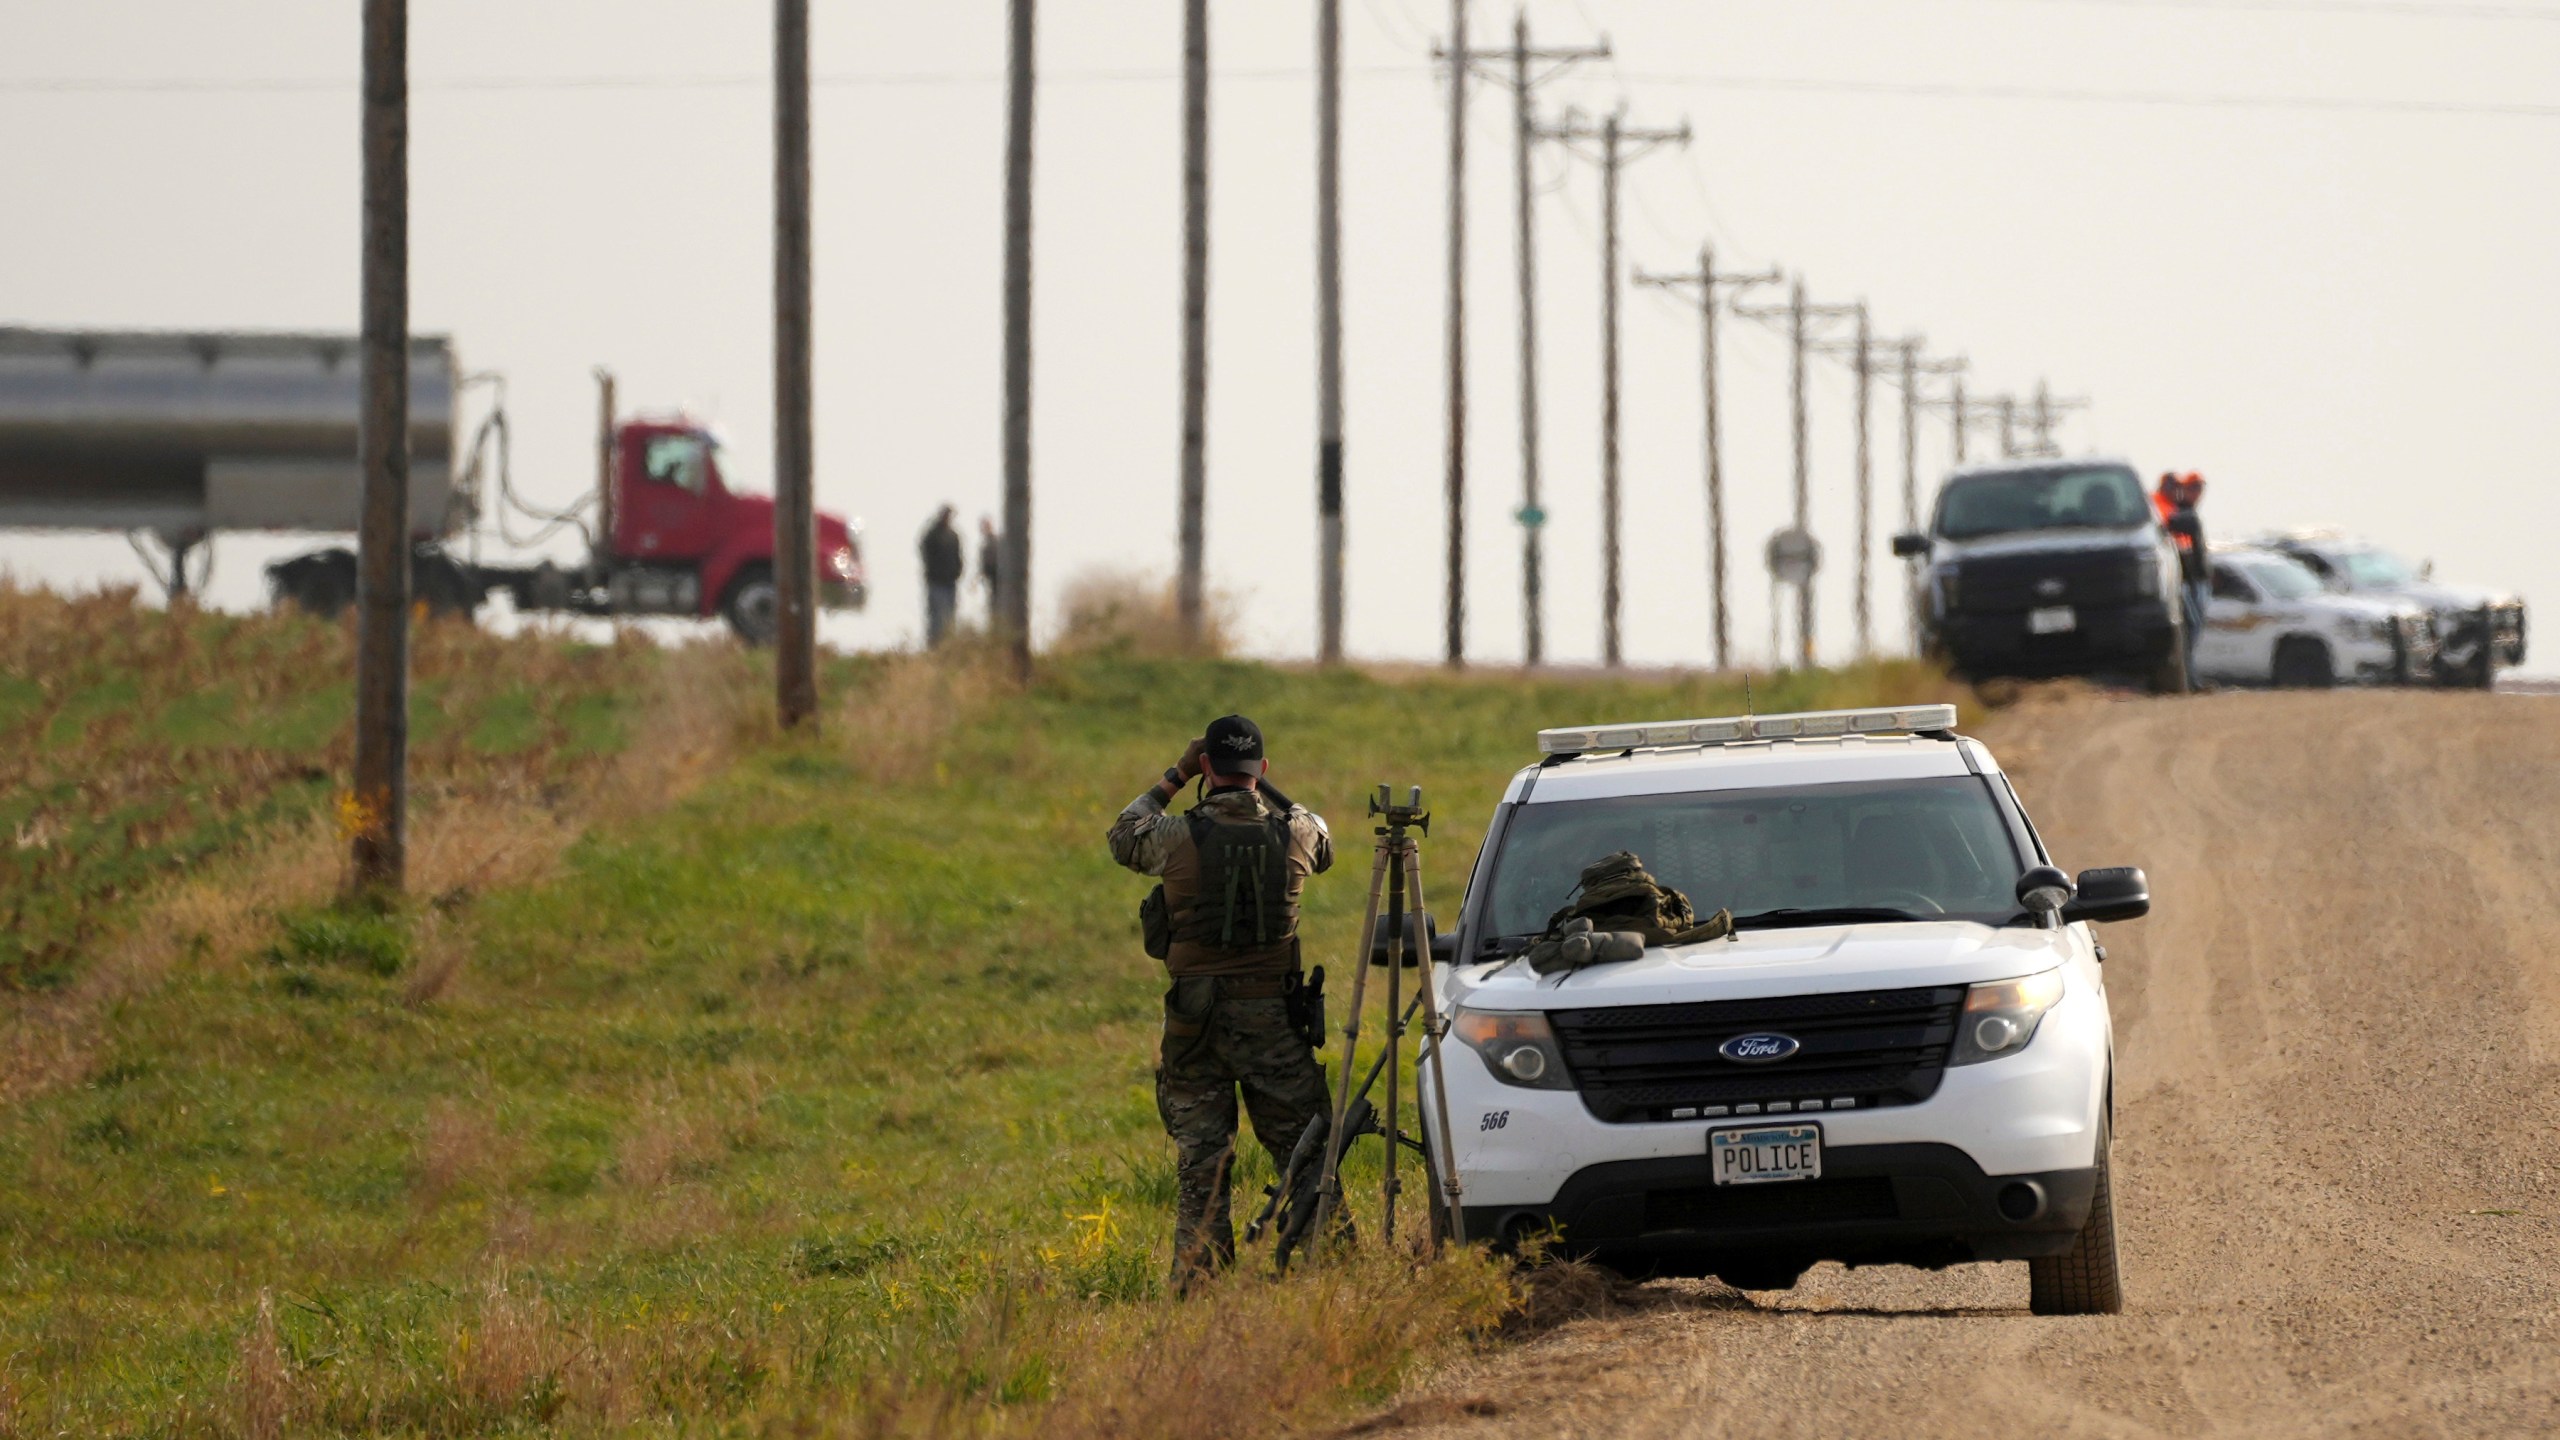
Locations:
795 536
1195 312
1864 611
381 799
1519 62
1803 481
1013 573
1799 317
1329 330
1620 146
604 453
2044 412
1707 284
2008 427
1456 604
1912 369
1965 414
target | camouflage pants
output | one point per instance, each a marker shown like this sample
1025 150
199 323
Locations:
1238 1042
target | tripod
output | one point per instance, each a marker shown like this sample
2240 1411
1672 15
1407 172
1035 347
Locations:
1397 875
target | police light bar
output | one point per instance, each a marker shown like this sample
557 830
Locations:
1802 725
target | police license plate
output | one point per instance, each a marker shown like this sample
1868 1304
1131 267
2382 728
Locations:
1759 1156
2052 620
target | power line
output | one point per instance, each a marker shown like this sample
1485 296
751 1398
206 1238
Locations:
1928 90
2389 9
1764 84
921 79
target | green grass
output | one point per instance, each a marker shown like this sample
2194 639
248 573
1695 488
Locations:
136 743
821 1096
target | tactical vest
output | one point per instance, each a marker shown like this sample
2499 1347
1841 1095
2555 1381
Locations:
1243 900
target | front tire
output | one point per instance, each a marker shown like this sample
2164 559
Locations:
2084 1280
2169 675
754 607
2302 663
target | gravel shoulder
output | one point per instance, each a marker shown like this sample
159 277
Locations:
2338 1050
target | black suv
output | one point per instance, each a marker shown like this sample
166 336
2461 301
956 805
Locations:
2050 567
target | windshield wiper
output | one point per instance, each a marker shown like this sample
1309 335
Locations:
1819 915
1505 946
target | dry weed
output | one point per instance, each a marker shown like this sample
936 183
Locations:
439 956
263 1398
664 1144
897 724
1280 1351
1559 1292
511 1357
1129 612
459 1145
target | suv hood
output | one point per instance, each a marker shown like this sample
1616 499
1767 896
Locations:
1759 964
2072 539
2351 606
2436 595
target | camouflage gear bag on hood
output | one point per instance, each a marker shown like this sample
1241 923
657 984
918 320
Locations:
1618 897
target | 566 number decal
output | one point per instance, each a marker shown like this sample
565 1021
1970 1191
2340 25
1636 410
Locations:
1495 1120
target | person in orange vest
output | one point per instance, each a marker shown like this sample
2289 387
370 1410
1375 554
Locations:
2176 500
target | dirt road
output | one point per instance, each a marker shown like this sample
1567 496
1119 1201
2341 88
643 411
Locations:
2338 1161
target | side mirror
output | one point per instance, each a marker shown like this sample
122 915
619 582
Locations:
2118 892
2427 571
1909 546
2044 891
1420 935
1444 949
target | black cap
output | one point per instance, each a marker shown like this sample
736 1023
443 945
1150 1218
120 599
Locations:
1234 744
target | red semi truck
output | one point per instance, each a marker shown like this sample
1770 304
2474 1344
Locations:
184 436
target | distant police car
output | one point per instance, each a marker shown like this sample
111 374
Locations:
1902 1055
2476 631
2271 622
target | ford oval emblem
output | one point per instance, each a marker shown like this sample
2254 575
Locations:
1761 1047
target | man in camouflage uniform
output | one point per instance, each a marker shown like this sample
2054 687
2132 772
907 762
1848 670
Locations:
1233 867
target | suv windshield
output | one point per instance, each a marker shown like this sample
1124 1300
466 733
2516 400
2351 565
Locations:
2281 578
2062 498
2377 570
1922 849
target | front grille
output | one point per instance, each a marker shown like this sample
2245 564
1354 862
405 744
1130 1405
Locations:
1790 1202
1870 1048
2028 582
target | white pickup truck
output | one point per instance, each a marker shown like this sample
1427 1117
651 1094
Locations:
1901 1055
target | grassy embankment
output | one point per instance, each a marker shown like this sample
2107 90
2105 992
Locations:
817 1098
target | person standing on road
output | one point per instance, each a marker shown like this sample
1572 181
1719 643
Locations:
991 568
943 569
1237 1015
2177 498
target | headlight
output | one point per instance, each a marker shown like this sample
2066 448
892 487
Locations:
1519 1049
1942 585
842 564
2001 1017
2146 577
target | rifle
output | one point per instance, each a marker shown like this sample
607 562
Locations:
1282 1203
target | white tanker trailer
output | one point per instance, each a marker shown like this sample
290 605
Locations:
179 437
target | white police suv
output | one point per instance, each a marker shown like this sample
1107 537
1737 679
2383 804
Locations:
1901 1055
2272 622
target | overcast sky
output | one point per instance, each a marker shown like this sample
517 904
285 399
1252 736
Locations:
2303 246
